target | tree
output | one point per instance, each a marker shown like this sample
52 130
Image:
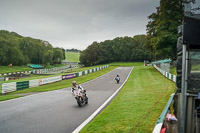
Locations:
57 55
20 50
162 29
118 49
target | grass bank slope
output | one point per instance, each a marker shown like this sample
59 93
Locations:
7 69
72 56
137 106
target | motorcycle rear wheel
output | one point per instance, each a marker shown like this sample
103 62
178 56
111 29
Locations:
86 100
79 101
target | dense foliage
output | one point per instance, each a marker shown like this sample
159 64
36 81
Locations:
20 50
162 29
123 49
73 50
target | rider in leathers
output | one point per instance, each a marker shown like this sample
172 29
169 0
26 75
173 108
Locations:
76 87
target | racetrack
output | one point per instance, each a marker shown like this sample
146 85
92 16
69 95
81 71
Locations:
57 111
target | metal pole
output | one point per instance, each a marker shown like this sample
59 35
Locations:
183 94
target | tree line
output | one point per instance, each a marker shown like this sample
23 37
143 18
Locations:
162 29
73 50
123 49
20 50
158 43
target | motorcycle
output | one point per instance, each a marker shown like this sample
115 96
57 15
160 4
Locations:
117 79
81 97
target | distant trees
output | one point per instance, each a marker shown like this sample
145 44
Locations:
119 49
73 50
162 29
20 50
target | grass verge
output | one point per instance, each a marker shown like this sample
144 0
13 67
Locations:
137 106
55 86
173 70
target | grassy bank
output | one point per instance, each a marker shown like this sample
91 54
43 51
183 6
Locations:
7 69
173 70
72 56
57 85
137 106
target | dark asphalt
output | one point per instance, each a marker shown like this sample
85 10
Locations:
57 111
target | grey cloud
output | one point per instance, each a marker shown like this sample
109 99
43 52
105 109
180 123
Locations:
76 23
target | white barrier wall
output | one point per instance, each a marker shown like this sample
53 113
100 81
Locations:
34 83
166 74
9 87
80 74
50 80
86 72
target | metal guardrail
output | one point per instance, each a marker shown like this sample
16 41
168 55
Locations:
159 122
161 118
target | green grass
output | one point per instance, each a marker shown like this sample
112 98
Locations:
137 106
72 56
125 64
57 85
7 69
196 67
173 70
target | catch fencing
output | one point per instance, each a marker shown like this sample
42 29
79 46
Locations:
15 86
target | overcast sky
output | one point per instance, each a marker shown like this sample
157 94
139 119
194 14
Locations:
76 23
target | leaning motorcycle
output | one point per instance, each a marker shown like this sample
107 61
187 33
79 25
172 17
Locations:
80 97
117 79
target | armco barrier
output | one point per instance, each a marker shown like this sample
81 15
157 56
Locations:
8 87
68 76
22 85
14 86
50 80
166 74
34 83
77 74
160 120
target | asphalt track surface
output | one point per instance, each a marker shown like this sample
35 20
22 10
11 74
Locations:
57 111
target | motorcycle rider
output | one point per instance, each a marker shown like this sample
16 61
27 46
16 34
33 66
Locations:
117 78
78 87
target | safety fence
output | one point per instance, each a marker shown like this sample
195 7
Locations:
160 121
166 74
39 71
15 86
22 72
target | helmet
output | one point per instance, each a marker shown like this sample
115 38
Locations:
74 83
